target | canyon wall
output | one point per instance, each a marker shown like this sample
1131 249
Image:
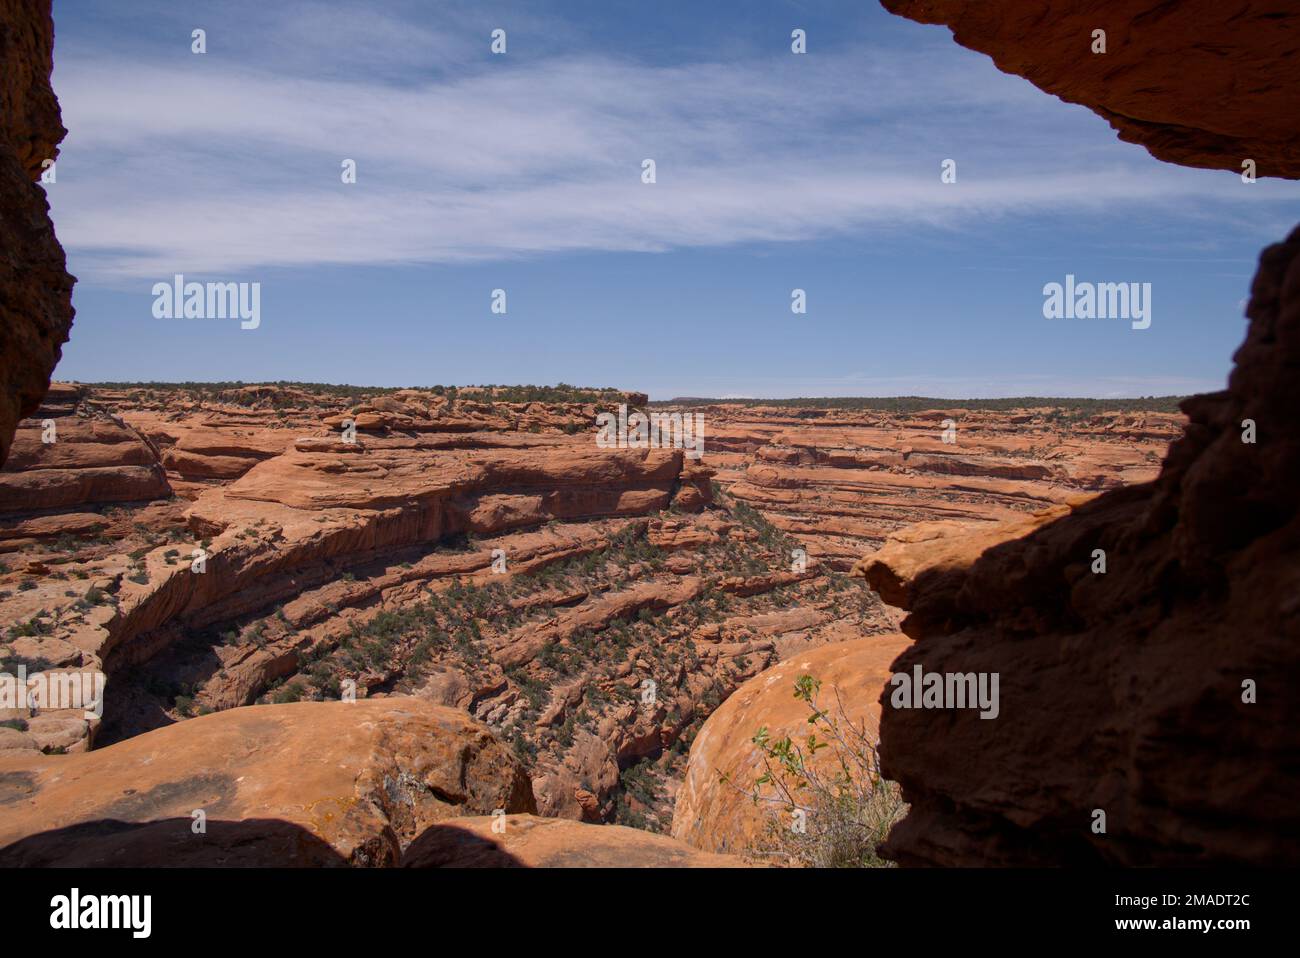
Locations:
35 288
842 480
591 606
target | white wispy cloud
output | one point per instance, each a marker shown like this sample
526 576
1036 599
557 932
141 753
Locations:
217 164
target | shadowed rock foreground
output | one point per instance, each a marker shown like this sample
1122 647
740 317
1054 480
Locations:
35 288
363 777
1160 691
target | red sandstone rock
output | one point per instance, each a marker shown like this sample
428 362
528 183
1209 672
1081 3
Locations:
208 452
287 514
93 459
719 816
934 546
320 783
846 480
1198 82
35 288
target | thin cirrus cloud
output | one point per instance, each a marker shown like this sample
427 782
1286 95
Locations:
205 165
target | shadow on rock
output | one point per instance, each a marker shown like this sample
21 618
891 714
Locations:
172 843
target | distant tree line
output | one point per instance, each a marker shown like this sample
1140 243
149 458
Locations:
561 392
909 404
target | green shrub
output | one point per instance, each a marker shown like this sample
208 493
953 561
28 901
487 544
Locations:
831 813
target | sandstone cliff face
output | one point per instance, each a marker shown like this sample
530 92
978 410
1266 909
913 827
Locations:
66 457
1203 83
35 288
841 481
1128 691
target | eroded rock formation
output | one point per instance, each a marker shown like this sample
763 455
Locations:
65 457
486 556
35 288
592 606
1203 83
368 783
842 480
1160 692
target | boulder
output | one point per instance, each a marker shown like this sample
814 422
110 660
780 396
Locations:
308 783
714 810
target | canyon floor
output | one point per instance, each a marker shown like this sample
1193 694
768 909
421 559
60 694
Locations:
211 546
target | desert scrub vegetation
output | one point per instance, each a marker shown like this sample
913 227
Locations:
832 811
638 792
287 394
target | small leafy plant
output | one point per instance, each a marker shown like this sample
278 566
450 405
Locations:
832 811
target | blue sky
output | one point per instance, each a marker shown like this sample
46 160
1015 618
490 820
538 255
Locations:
522 172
